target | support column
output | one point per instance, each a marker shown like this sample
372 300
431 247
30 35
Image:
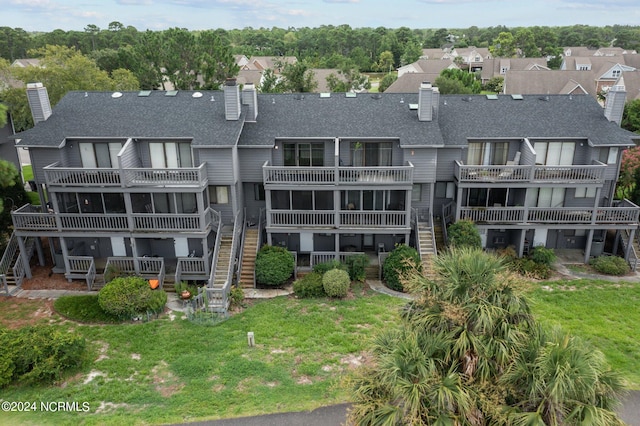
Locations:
39 251
587 249
25 258
65 256
458 204
627 251
616 242
205 255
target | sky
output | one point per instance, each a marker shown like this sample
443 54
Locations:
47 15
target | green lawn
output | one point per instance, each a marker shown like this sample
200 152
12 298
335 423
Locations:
170 370
602 312
27 172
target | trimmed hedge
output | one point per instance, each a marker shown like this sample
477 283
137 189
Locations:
37 354
274 265
131 297
336 283
323 267
610 265
400 260
309 286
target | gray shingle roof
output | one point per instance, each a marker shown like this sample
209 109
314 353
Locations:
535 116
367 115
98 114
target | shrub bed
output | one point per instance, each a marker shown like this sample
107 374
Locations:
37 354
610 265
130 297
400 260
309 286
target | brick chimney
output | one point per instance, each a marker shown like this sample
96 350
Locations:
425 101
231 99
614 104
250 98
38 102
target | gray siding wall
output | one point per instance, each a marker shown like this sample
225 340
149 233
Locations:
251 161
571 201
130 157
41 157
219 165
446 161
582 154
424 164
527 156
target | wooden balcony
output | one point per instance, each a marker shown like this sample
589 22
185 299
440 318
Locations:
31 218
547 215
586 174
343 219
342 175
83 177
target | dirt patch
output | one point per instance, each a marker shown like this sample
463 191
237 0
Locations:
16 312
165 382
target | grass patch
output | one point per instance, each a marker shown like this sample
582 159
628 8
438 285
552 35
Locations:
602 312
173 371
33 197
84 309
27 172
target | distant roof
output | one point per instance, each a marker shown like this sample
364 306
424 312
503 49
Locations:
99 115
410 82
26 62
548 82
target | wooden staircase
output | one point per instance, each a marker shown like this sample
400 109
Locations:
437 231
426 248
224 260
249 252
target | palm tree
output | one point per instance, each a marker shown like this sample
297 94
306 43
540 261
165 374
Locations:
558 379
467 351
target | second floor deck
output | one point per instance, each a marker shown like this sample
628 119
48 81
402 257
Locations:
56 175
338 219
509 174
339 175
32 218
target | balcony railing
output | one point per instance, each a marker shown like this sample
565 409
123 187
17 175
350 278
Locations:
337 175
344 219
548 215
83 177
588 174
31 218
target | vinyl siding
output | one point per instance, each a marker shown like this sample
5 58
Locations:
424 164
446 161
41 157
219 165
251 161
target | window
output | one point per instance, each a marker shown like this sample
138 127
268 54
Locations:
304 154
416 192
371 153
554 153
487 153
219 194
609 155
445 190
170 155
616 73
103 155
587 192
113 203
258 192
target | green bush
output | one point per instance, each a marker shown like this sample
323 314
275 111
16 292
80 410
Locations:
527 267
309 286
84 308
130 297
400 260
464 233
610 265
236 297
323 267
37 354
274 266
543 255
336 283
356 266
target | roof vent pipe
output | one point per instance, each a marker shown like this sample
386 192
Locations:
38 102
614 104
231 99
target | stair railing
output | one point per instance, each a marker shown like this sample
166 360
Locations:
7 258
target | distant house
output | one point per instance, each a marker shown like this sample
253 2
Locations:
186 185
